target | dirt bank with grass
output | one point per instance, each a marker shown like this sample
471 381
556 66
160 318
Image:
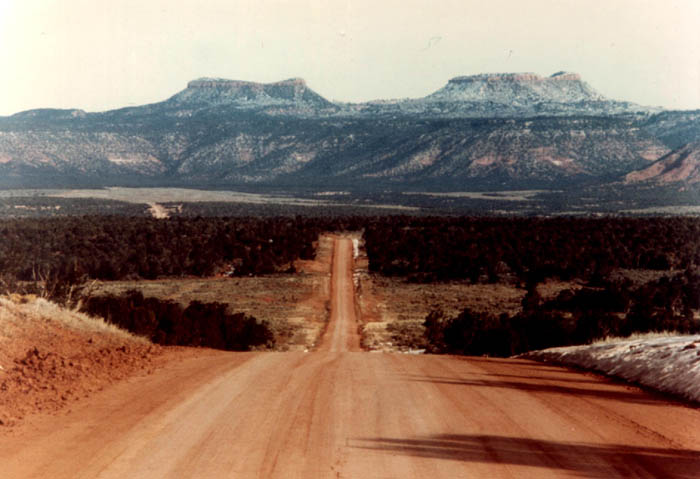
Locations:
51 357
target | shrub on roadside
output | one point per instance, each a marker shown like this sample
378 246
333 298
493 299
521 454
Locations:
579 317
166 322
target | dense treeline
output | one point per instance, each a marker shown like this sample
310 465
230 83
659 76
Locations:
574 317
72 249
528 249
60 252
524 250
168 323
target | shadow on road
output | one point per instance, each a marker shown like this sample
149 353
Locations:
614 394
535 378
586 460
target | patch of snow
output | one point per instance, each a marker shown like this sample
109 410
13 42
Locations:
121 161
666 210
332 193
669 364
158 211
414 351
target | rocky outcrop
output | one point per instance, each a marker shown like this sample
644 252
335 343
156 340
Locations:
674 128
679 166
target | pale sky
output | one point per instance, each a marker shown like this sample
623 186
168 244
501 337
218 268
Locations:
99 55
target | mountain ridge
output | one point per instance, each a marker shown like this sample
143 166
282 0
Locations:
510 130
524 93
681 166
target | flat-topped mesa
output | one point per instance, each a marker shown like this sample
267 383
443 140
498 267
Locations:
565 76
51 113
516 77
234 84
291 92
517 89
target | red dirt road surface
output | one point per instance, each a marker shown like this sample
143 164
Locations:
342 334
336 413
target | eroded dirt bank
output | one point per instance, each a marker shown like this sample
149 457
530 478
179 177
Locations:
51 357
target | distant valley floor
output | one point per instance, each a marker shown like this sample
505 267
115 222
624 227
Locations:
163 202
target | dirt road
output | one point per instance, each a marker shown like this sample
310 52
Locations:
342 334
337 413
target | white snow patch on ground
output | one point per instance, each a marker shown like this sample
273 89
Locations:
158 211
669 364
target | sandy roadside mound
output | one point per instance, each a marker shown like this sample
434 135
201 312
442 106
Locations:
666 362
50 357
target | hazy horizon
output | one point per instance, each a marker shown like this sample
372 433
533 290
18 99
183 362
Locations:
96 57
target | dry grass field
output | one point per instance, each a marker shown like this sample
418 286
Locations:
295 305
394 310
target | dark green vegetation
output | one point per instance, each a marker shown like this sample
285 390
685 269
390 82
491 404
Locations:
72 250
59 255
57 258
527 251
574 317
166 322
